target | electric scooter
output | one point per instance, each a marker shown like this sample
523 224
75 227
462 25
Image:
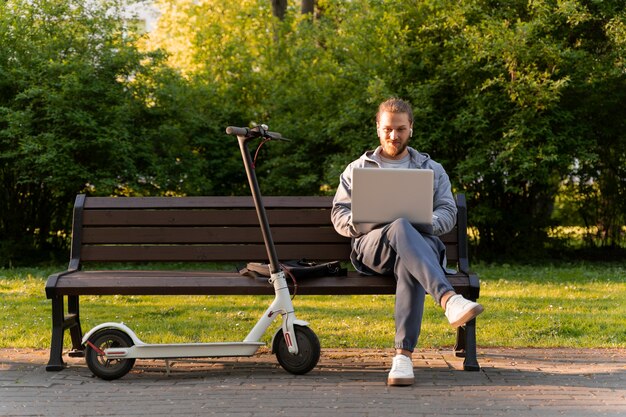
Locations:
111 348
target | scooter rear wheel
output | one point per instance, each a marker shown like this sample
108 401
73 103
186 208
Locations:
102 367
308 351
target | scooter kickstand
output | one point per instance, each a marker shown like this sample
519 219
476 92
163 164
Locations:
167 367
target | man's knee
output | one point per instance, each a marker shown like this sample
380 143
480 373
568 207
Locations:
400 226
401 234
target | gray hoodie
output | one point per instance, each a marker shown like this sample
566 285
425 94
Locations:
444 207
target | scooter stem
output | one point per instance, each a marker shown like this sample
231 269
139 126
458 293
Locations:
258 203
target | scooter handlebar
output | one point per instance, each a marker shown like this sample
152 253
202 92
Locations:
255 132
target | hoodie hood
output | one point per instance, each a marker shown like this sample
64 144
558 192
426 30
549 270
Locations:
417 159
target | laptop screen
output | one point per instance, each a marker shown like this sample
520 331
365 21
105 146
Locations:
382 195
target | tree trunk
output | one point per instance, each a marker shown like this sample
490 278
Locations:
308 6
279 7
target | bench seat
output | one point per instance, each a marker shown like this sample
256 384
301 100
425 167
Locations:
149 282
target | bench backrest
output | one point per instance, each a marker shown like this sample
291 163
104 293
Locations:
214 229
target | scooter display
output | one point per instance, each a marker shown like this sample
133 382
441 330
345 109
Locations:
112 348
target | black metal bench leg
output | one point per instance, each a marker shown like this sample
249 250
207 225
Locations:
471 362
459 346
76 332
55 362
60 322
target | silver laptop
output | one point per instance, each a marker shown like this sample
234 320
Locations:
382 195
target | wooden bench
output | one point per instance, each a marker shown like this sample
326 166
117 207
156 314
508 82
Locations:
216 229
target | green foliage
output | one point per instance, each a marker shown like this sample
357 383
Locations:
82 109
513 99
57 99
521 101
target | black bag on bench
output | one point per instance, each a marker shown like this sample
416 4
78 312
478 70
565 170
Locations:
300 269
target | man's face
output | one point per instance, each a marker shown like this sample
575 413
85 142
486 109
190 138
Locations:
394 131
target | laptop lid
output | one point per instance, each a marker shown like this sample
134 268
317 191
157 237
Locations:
382 195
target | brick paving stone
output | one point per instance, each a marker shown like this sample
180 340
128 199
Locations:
350 382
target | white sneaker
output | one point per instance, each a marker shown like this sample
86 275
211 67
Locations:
460 310
401 371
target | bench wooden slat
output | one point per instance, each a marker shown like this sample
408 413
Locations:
228 202
179 253
227 235
221 253
216 253
190 235
221 217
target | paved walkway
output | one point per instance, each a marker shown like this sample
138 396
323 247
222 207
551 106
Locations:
351 382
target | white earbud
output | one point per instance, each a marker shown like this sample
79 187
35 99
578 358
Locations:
411 132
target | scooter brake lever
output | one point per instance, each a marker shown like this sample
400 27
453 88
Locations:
260 130
276 136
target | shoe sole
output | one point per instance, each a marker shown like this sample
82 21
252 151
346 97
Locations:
469 315
400 382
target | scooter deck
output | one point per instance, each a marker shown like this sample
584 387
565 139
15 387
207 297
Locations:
184 350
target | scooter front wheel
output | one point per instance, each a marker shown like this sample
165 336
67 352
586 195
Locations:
102 367
308 351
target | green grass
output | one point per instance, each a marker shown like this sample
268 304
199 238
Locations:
560 305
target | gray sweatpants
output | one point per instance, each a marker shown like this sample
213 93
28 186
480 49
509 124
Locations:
415 260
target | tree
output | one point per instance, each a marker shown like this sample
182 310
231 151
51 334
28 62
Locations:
502 86
492 94
496 89
597 100
521 101
59 63
72 116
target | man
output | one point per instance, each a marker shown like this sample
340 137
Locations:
416 259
